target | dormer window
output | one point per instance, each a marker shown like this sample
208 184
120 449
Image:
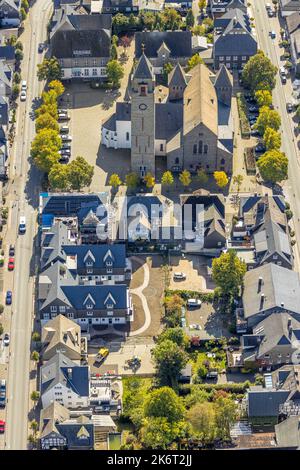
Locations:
109 263
89 306
109 306
89 263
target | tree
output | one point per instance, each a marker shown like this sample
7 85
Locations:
164 403
1 308
17 77
273 166
35 396
44 149
202 418
46 121
176 335
19 46
202 176
19 55
221 179
34 426
226 415
15 91
1 329
193 61
46 158
23 14
159 433
173 306
202 4
259 73
171 19
114 72
47 109
185 178
113 52
59 177
267 118
167 179
190 19
80 173
36 337
228 272
49 69
238 179
114 180
263 98
149 180
50 97
35 356
25 5
167 69
57 87
169 359
272 139
132 180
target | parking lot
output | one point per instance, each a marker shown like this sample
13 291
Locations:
195 269
205 322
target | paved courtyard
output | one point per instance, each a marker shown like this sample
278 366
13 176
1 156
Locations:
205 322
195 269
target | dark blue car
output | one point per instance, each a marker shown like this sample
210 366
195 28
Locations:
8 299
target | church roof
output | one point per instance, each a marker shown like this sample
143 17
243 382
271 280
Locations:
177 77
223 78
144 68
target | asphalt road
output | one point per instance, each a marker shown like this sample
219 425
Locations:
281 95
23 200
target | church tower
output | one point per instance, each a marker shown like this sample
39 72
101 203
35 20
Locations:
143 118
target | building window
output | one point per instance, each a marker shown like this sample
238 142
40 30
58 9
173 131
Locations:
205 148
244 58
228 57
94 72
222 161
89 271
143 91
76 62
62 308
194 149
127 136
53 308
176 161
235 58
109 306
86 72
161 147
221 58
62 73
200 146
89 306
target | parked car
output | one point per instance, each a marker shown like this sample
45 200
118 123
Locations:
260 148
289 107
283 79
22 224
6 339
66 146
66 138
11 250
65 152
41 47
8 298
213 374
64 159
2 393
2 426
254 132
102 354
179 276
11 264
23 95
24 85
272 34
64 130
63 117
194 303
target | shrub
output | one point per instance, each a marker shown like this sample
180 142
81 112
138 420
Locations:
244 123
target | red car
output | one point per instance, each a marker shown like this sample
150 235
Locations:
11 264
2 427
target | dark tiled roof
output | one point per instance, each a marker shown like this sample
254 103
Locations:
115 253
265 402
7 52
69 204
64 43
235 44
78 296
178 42
168 119
78 435
144 68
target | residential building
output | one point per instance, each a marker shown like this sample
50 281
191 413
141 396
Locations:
64 381
162 47
81 43
7 53
9 13
270 289
288 433
288 7
274 342
119 6
219 7
61 334
293 32
5 79
234 42
193 128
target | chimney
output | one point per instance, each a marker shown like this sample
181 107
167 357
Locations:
260 283
282 305
289 323
262 298
69 373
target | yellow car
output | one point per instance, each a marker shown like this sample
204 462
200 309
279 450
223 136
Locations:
102 354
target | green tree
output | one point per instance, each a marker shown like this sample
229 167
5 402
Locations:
272 139
267 118
114 180
185 178
228 272
173 306
49 69
113 52
190 19
17 77
59 177
19 46
15 91
57 87
193 61
19 55
50 97
46 121
149 180
47 109
167 69
176 335
44 149
34 426
169 359
202 4
35 356
164 403
36 337
202 418
273 166
115 73
80 173
263 98
120 23
35 396
202 176
259 73
221 179
226 415
132 180
46 158
238 180
25 5
23 14
171 19
167 179
1 329
159 433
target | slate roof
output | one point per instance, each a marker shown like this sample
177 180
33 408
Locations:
65 43
65 204
61 331
280 286
241 20
50 416
56 371
78 434
177 77
178 42
52 242
77 296
116 253
13 5
224 78
144 69
168 119
7 52
264 402
234 44
288 432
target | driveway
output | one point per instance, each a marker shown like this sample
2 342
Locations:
195 268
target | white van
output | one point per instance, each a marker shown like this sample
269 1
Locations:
282 71
194 303
24 85
22 224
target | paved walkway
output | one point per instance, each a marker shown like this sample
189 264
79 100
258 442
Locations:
139 292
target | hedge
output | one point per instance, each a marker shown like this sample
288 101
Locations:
244 123
250 161
188 294
186 389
